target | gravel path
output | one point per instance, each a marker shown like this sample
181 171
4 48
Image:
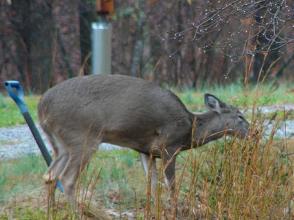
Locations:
18 141
274 108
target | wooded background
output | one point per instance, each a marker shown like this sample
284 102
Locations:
182 43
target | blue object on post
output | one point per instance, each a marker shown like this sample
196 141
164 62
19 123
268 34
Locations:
15 91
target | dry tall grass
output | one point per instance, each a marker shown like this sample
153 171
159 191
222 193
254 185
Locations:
229 179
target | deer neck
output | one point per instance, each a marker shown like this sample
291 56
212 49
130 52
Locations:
203 131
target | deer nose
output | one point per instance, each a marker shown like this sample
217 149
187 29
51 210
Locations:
244 134
245 131
253 133
246 124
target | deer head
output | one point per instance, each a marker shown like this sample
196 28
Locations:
219 120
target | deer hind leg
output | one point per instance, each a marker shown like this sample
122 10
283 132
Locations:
146 163
61 158
80 153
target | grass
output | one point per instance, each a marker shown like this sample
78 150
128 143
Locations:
25 172
239 96
21 183
20 175
10 114
227 179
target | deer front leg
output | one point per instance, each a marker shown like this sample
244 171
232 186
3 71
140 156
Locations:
146 163
169 162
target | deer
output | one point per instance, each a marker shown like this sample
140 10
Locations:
80 113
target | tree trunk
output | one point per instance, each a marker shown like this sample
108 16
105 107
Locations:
136 68
267 50
66 46
12 48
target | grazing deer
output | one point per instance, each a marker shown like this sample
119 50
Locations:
82 112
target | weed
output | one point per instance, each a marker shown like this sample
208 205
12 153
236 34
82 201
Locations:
238 95
20 175
9 113
227 179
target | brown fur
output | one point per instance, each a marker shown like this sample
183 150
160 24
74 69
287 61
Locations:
82 112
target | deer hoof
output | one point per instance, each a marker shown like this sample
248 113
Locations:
48 178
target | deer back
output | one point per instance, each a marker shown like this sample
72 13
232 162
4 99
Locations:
123 110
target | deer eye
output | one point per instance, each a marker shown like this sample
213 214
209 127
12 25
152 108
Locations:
241 117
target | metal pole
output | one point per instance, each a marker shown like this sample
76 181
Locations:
15 91
101 46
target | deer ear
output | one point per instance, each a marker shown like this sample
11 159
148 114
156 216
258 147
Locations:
213 103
